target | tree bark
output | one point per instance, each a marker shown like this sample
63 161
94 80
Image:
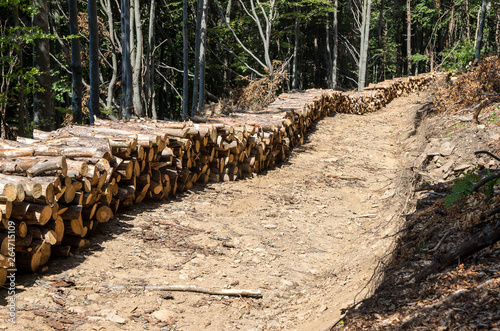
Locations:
295 69
150 65
363 53
127 104
22 114
203 40
335 44
185 60
467 19
497 34
76 62
480 31
93 60
136 83
408 35
197 42
114 62
43 112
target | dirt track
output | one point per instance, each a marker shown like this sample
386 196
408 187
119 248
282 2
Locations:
307 235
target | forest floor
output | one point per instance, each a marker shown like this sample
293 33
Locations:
308 234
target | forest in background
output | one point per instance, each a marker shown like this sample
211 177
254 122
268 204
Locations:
167 59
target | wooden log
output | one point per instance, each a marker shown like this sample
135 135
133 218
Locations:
33 166
104 214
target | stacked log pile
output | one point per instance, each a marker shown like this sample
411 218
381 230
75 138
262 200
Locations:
57 187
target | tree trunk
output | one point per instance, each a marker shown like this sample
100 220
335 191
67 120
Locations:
497 34
185 60
363 53
335 45
76 62
139 109
114 62
127 104
451 27
203 42
197 41
408 35
380 39
467 19
22 115
380 23
93 60
43 112
150 65
227 71
480 31
295 69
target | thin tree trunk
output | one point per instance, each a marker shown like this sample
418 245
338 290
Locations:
132 31
196 80
480 31
127 104
380 23
408 35
139 109
497 34
185 59
22 116
114 62
467 19
150 63
43 112
227 71
295 69
93 60
76 62
451 27
335 45
203 39
363 54
380 39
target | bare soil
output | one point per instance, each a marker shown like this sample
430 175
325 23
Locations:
307 234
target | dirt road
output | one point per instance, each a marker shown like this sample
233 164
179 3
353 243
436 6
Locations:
307 235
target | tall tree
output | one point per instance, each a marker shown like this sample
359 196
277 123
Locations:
408 36
202 63
139 50
106 5
22 114
363 52
93 60
127 104
335 45
197 42
150 64
296 47
185 60
43 113
480 29
76 62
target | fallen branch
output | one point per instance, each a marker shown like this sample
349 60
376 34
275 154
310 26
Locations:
489 236
481 105
345 178
182 288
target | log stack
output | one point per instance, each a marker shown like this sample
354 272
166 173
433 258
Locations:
58 186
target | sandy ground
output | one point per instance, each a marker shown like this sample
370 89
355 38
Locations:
308 235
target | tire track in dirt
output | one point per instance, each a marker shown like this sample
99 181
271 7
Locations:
307 234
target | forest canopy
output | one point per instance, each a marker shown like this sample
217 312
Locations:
73 60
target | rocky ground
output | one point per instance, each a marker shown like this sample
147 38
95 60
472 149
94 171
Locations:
460 294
